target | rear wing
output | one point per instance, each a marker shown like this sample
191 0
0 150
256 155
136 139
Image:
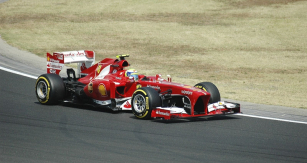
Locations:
83 58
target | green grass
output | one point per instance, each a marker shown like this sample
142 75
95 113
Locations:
253 50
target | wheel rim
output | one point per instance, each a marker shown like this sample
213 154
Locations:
41 89
139 103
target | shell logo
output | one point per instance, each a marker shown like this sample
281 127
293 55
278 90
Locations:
102 89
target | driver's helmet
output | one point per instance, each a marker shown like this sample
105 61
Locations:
133 73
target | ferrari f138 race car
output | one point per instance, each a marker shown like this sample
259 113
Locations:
110 84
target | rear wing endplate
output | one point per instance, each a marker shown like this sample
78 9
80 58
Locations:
83 58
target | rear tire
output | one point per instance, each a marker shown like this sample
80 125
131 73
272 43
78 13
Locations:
143 101
49 89
212 89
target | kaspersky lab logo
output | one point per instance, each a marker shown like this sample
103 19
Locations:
154 87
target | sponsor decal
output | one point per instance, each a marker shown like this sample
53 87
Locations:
98 68
48 59
127 105
118 78
102 89
154 87
186 92
114 71
78 54
54 61
53 65
162 113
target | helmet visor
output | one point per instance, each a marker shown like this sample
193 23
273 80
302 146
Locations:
135 76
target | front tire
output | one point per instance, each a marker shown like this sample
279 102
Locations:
143 101
49 89
212 89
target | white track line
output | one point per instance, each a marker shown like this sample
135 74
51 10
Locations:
269 118
246 115
18 73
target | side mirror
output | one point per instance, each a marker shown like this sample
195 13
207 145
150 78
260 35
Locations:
131 79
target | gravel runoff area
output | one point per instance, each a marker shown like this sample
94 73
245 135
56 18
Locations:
26 62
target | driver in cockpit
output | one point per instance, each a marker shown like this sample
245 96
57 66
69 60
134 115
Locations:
132 73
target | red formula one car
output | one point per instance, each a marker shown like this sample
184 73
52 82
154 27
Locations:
111 85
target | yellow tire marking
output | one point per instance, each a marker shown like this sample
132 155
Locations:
147 103
139 90
201 87
47 96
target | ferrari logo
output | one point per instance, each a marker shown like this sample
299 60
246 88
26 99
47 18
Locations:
98 69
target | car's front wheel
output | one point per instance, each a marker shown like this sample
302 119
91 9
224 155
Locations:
143 101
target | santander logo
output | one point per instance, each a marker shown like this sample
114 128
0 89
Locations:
162 113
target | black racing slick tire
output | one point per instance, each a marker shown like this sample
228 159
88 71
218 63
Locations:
49 89
143 101
212 89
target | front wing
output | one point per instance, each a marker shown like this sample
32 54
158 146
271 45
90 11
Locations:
218 108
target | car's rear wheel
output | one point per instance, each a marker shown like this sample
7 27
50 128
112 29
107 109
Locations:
143 101
49 89
212 89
